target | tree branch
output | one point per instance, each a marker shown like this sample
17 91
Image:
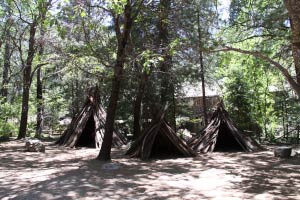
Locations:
295 86
98 6
117 28
20 14
35 69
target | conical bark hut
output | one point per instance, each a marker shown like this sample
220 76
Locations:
222 135
87 127
159 140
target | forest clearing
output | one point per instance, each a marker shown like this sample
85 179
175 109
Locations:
76 174
149 99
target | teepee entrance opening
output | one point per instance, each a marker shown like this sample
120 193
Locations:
226 141
163 148
87 137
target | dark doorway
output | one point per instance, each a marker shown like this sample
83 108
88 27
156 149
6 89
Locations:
164 148
87 137
226 141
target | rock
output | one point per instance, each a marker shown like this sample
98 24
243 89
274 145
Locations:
283 152
34 145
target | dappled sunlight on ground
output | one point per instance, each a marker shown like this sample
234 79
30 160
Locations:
75 174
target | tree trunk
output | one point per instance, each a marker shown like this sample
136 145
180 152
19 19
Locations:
167 86
163 39
122 38
138 105
293 7
6 66
40 106
111 112
27 81
39 90
7 55
202 70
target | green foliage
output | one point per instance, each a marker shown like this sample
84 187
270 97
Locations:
149 60
117 5
259 26
56 107
173 45
247 92
7 129
237 98
9 113
286 110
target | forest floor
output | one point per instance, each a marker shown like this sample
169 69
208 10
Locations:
61 173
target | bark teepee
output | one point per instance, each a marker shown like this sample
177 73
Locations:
222 135
87 127
159 140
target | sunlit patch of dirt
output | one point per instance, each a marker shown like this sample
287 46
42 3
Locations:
76 174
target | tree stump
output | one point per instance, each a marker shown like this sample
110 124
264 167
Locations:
283 152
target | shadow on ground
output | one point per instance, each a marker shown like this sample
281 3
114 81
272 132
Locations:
75 174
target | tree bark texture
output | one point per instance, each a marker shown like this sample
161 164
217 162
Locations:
293 7
122 38
7 55
167 85
27 81
6 66
39 90
40 106
138 106
40 102
202 72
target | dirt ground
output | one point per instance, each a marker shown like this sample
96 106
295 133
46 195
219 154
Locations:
75 174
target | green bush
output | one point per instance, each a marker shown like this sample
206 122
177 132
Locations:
7 129
8 118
